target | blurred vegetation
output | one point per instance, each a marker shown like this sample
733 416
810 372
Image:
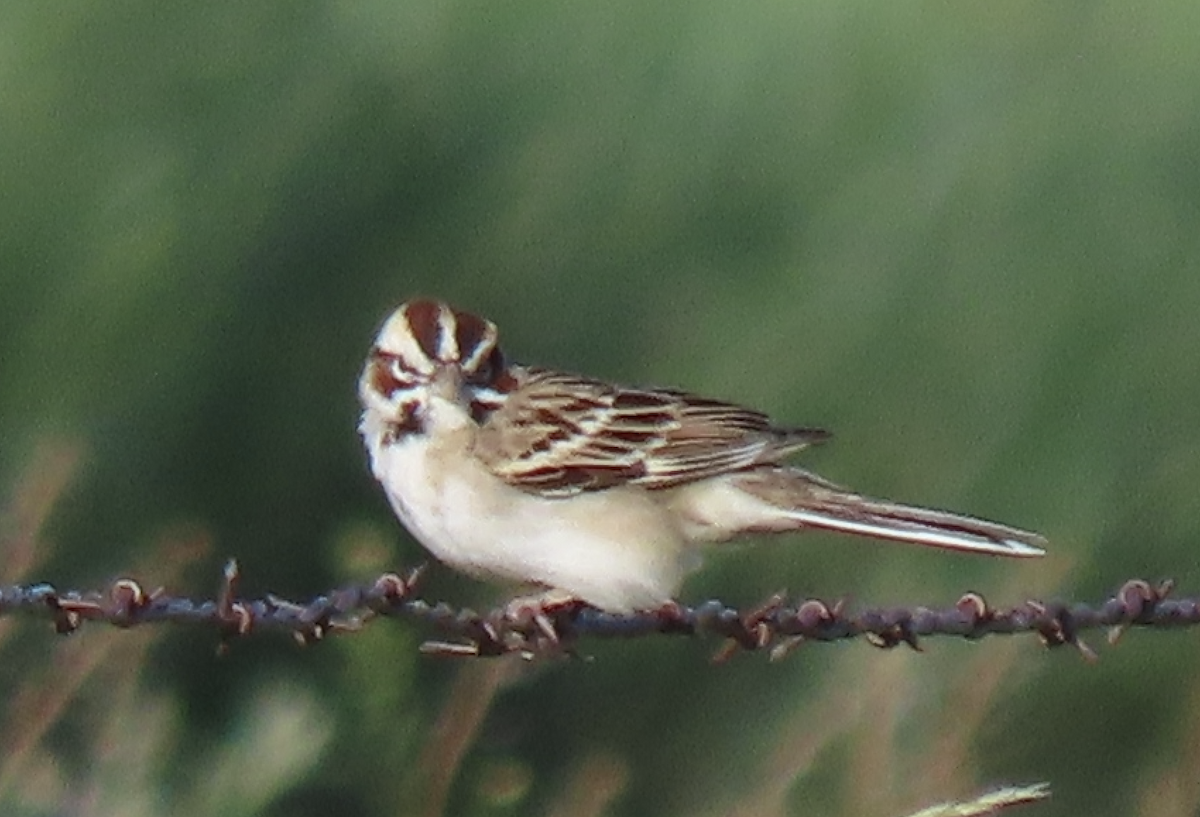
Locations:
964 236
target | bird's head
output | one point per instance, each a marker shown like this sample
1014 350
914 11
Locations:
427 350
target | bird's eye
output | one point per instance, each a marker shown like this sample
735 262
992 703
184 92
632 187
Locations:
488 368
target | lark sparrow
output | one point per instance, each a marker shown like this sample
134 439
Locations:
600 492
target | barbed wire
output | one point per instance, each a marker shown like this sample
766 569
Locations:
533 630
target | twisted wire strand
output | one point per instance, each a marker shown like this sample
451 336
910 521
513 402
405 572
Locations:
777 627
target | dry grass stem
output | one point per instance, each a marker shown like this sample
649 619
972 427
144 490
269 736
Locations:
990 803
456 729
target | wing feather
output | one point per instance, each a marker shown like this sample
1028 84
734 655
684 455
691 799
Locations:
559 434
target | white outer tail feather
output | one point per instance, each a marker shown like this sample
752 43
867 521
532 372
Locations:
956 535
805 500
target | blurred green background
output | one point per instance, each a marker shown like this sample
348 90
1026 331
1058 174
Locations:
966 237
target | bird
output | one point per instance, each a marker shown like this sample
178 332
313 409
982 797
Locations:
590 491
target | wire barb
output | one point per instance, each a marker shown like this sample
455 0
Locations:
778 626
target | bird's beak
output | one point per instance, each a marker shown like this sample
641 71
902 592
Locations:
448 383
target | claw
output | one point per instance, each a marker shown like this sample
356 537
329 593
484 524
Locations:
545 612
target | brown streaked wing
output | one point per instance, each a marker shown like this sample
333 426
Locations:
561 434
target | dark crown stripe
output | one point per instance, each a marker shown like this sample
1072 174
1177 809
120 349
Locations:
471 332
425 320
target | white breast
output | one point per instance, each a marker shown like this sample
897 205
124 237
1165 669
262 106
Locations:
616 549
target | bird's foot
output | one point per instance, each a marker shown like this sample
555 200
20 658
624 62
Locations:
542 618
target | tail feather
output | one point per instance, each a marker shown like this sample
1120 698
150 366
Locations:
814 503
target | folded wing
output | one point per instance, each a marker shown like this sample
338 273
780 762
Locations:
559 434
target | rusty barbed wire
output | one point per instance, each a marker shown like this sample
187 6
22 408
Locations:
778 626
